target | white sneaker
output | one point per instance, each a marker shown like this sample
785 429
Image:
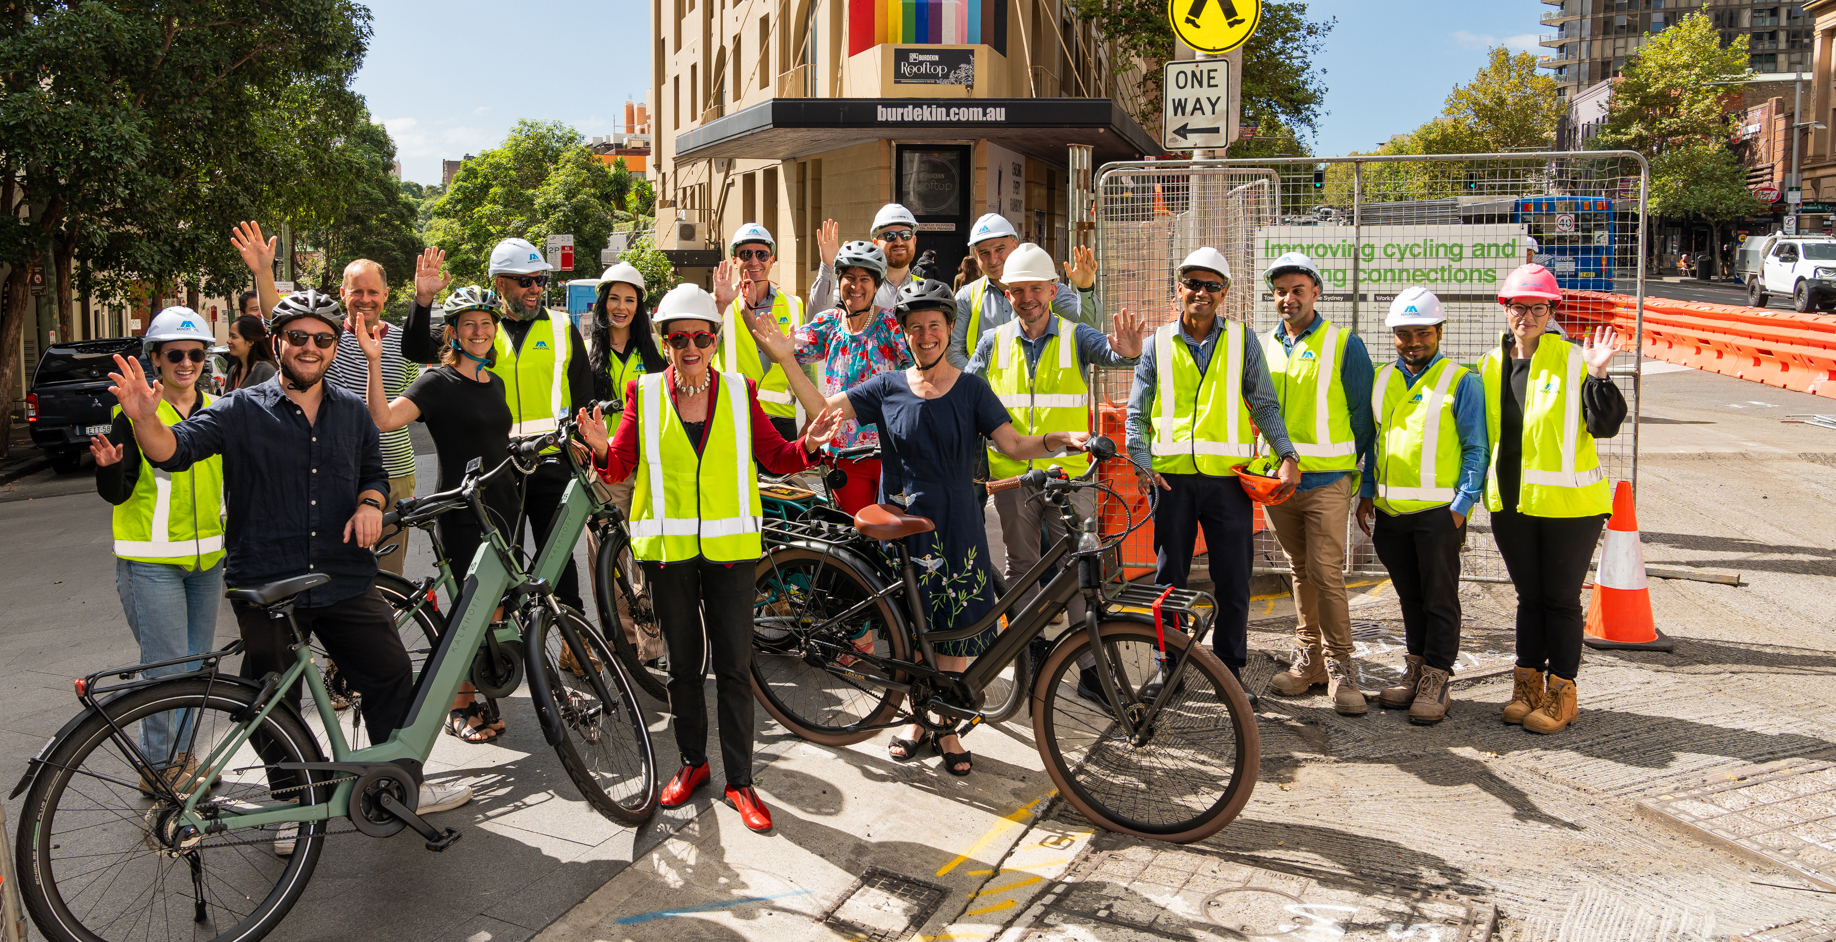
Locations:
284 838
438 798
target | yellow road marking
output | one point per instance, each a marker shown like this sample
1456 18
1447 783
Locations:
994 833
1009 904
981 873
1011 886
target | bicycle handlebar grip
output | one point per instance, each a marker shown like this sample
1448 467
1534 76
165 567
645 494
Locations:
857 451
533 447
392 518
1004 484
1035 478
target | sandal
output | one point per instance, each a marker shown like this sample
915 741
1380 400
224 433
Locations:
911 747
458 725
950 759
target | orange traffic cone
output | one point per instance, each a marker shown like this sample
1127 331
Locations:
1619 617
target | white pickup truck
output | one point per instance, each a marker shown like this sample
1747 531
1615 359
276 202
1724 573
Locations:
1803 267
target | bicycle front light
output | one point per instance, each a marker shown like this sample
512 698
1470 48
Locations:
1089 542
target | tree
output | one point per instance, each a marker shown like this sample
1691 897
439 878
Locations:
659 274
373 218
1507 106
1701 181
1663 98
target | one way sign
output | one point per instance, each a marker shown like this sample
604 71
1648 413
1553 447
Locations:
1197 108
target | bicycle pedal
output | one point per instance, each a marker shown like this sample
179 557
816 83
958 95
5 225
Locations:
447 838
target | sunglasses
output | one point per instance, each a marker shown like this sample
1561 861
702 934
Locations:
298 338
747 255
175 357
528 281
680 340
898 235
1195 284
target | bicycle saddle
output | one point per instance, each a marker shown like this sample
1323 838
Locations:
888 522
277 591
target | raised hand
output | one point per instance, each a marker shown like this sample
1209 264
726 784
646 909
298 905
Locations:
369 338
1597 352
256 252
776 343
821 429
1129 329
138 397
430 277
1081 270
727 279
828 241
106 452
592 426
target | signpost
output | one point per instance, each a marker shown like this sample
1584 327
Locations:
1565 222
1195 107
1214 26
1766 194
561 252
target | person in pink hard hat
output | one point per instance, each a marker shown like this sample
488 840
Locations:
1547 401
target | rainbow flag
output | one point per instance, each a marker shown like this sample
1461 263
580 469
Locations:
927 22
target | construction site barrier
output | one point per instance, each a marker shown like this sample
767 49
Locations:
1778 348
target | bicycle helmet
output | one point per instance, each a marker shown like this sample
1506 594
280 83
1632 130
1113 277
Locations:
859 254
468 298
927 295
307 303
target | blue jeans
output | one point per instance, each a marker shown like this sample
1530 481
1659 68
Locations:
172 613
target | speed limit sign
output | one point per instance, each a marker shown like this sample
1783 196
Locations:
1565 222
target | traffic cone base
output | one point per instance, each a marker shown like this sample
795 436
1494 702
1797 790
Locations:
1619 615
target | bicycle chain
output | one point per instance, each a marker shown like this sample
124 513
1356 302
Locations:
268 837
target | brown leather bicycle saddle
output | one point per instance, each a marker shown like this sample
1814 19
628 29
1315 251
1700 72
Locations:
889 522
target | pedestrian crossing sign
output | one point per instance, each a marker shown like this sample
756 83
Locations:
1214 26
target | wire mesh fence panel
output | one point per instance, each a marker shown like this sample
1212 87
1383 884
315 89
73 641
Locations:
1375 226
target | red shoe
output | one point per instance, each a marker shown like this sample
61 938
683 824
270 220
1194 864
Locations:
751 810
677 792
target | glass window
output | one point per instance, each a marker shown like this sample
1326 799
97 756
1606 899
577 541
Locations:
1820 251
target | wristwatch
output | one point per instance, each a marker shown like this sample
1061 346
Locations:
371 501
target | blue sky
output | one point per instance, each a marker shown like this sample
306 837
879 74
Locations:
450 77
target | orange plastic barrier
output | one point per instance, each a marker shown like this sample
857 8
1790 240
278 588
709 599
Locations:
1777 348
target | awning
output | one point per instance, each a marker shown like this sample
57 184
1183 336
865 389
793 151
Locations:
785 128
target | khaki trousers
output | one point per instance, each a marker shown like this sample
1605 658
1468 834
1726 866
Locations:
399 488
1311 527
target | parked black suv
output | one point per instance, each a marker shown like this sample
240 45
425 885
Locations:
70 400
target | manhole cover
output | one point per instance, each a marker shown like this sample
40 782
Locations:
884 906
1786 816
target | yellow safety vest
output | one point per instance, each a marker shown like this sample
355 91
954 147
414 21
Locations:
977 289
535 380
1418 442
176 519
1561 475
1313 402
1201 423
774 387
623 369
686 504
1053 398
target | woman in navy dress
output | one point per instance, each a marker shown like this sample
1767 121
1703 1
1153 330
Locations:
931 418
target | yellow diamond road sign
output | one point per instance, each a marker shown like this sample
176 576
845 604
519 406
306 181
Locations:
1214 25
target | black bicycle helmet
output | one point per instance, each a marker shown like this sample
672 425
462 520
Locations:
859 254
927 295
307 303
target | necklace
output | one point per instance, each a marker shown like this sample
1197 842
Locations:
687 390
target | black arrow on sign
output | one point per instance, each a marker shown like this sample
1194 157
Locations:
1187 130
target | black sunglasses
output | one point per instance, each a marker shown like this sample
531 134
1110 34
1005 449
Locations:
298 338
747 255
1195 284
898 235
176 357
528 281
680 339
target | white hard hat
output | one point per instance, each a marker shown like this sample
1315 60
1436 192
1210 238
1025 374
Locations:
176 323
991 226
687 302
1292 262
1029 262
1209 259
516 257
893 214
1415 307
752 232
624 272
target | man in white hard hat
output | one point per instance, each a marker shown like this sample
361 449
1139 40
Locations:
895 231
1420 484
981 305
1037 364
1190 431
742 285
1322 376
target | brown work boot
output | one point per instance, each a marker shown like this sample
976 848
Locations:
1432 696
1400 696
567 662
1308 672
1526 695
1558 710
1342 687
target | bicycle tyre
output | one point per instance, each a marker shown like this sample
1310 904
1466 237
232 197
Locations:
84 810
418 619
1206 727
605 748
1007 694
611 581
796 587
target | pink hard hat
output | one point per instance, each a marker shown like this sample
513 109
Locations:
1530 281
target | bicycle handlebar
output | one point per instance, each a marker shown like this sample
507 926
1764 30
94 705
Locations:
1100 448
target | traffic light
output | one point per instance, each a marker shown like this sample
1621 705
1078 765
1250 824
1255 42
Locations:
1472 179
1319 179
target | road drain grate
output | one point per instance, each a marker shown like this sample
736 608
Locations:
883 906
1785 815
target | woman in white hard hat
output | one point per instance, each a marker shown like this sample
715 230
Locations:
691 436
1548 493
168 531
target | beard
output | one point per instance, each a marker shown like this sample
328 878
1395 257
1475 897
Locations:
518 310
298 380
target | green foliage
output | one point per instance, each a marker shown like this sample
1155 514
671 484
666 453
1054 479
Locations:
1703 181
659 274
371 217
643 199
1507 106
1662 98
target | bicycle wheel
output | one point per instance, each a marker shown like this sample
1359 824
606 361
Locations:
1195 767
606 747
417 618
1008 692
96 858
612 586
799 669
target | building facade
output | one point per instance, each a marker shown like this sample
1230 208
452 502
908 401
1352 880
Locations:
790 112
1593 38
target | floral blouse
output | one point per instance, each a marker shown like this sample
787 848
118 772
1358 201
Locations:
850 359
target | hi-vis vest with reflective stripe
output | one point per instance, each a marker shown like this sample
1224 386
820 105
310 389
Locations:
685 504
1201 423
623 369
1561 475
1054 398
175 519
535 380
1313 402
739 353
1418 443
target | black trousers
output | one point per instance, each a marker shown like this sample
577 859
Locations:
359 634
541 503
693 597
786 426
1422 552
1219 507
1547 558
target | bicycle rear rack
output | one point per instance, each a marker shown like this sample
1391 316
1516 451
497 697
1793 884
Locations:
814 531
1188 605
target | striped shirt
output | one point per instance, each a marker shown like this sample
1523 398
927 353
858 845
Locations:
350 370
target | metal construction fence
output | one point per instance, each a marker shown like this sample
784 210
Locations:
1456 224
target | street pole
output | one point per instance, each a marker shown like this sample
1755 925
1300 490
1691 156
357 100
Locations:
1797 122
